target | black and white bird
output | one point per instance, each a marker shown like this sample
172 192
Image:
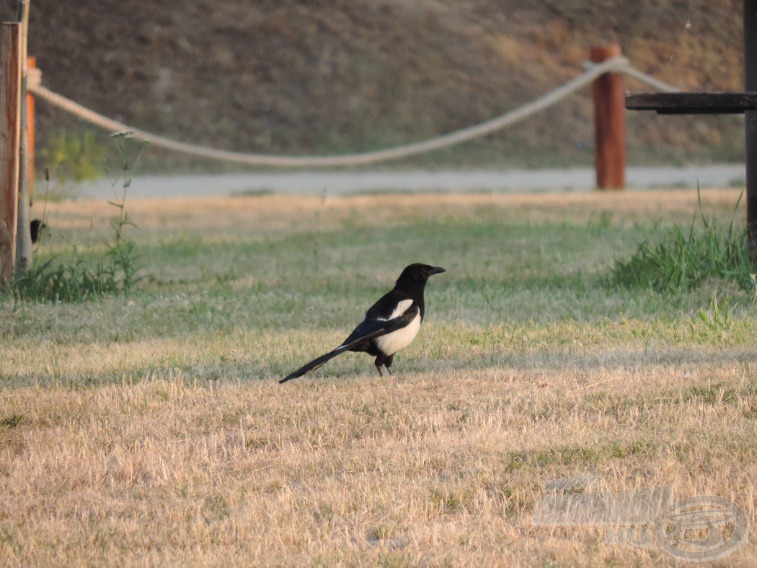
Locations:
389 325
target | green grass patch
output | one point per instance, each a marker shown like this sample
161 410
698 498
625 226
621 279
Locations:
54 280
524 292
680 259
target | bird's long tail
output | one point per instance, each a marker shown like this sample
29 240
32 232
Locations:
371 330
314 364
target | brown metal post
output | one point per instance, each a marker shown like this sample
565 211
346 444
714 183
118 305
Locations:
10 131
609 122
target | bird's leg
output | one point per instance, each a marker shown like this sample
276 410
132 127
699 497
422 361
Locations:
388 363
379 361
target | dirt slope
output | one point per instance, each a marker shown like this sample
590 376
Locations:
287 76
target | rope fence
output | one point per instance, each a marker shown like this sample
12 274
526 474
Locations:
592 72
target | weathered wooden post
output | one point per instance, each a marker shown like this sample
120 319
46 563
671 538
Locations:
23 233
10 130
609 122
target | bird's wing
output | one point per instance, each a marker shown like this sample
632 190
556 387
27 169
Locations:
388 309
376 328
365 331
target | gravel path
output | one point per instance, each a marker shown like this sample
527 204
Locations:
347 182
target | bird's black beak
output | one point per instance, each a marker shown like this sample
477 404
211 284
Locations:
436 270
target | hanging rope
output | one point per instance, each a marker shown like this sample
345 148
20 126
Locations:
615 65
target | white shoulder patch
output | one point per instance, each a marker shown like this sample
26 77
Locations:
401 308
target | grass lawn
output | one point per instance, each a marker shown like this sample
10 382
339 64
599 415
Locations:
150 429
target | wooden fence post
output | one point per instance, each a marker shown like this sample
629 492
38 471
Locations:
609 122
10 131
24 249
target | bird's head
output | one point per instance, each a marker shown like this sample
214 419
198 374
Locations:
418 273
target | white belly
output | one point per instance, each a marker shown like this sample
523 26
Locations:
393 342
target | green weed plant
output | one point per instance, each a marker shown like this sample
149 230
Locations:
116 272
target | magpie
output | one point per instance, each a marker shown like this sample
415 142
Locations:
389 325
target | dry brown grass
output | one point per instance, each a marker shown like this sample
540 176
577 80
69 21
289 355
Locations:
125 442
234 216
439 468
